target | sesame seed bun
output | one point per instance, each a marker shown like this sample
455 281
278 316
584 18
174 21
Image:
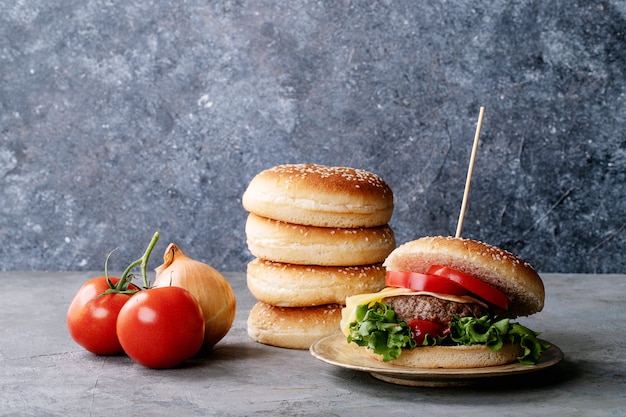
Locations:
310 245
497 267
319 195
292 327
290 285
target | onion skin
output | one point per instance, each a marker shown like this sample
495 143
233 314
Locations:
211 289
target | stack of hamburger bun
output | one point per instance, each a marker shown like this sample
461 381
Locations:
319 234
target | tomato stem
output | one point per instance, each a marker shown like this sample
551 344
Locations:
122 285
146 256
143 261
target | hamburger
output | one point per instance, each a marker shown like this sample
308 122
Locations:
448 303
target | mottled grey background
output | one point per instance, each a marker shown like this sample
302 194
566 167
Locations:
119 118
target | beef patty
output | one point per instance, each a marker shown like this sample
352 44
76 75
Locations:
425 307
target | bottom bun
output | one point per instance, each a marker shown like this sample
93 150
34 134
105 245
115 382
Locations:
452 357
292 327
290 285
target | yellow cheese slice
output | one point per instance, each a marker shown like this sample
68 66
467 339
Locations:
348 313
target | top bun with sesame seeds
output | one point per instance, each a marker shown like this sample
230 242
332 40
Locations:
497 267
318 195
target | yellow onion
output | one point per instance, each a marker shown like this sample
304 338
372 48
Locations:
211 289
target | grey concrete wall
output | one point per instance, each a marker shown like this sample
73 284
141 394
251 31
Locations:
119 118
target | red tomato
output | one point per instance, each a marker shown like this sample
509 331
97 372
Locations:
161 327
92 315
423 282
480 288
421 328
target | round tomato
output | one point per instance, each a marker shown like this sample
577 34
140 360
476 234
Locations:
474 285
92 315
421 328
423 282
161 327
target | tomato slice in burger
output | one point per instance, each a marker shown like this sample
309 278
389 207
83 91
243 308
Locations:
474 285
421 328
424 282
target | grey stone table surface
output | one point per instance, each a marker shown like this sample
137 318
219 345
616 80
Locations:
44 373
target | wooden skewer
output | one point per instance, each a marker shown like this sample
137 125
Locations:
470 170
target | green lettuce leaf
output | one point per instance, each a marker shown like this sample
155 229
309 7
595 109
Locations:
472 331
379 329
